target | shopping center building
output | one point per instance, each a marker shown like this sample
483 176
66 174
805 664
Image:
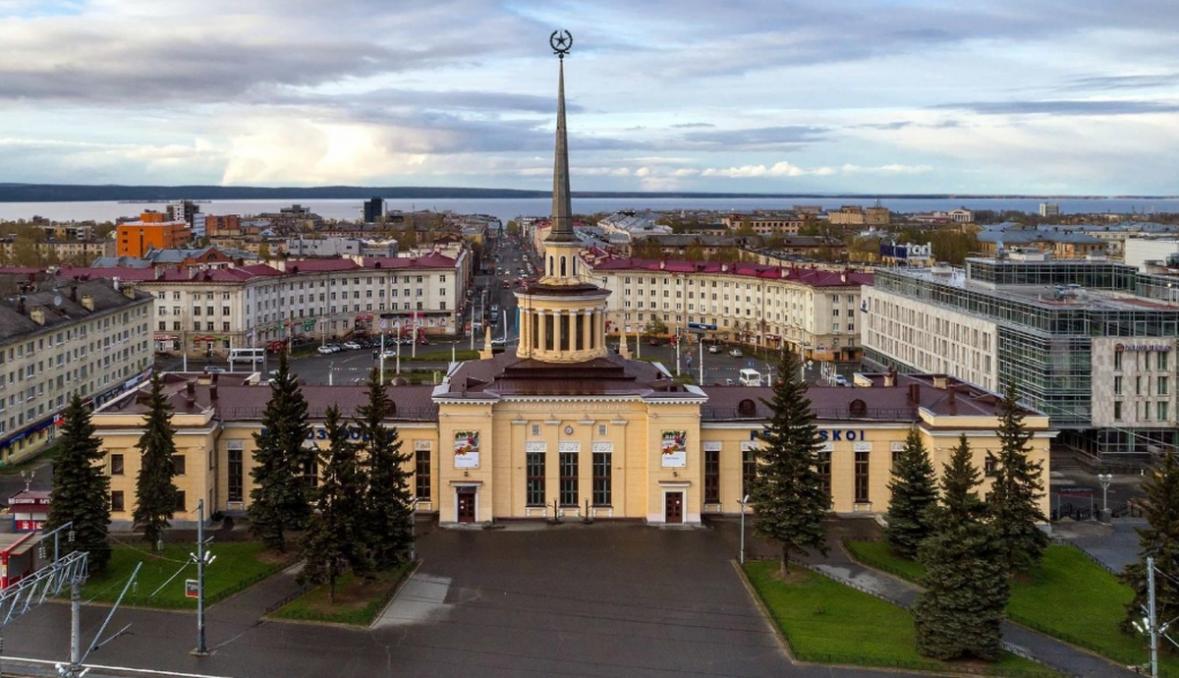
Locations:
561 427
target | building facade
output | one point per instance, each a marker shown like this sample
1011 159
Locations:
1080 340
135 238
88 338
808 310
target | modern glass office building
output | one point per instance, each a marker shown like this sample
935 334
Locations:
1066 333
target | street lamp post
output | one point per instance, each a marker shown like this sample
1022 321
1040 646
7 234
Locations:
1106 479
744 501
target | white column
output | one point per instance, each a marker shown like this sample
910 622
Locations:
541 318
557 315
587 322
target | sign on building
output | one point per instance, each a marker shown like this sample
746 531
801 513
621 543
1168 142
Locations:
674 449
466 449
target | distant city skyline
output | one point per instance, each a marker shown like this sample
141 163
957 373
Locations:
866 97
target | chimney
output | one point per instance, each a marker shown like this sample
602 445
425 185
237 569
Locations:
890 379
213 390
953 401
213 378
190 388
940 381
914 393
74 293
128 291
88 302
115 282
37 315
20 304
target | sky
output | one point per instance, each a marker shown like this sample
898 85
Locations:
885 96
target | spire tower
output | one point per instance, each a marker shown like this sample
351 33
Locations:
562 228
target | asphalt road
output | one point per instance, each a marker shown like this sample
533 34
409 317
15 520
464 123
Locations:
602 600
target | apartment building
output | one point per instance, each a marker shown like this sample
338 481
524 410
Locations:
136 238
65 250
1086 342
211 311
855 215
89 338
808 310
766 224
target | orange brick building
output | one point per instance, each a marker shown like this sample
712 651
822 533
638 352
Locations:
135 238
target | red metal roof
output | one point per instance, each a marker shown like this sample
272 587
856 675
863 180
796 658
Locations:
806 276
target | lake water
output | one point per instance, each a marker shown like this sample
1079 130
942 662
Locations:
509 208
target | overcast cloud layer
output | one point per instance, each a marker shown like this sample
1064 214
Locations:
1008 96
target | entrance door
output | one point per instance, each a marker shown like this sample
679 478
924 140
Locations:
675 507
466 504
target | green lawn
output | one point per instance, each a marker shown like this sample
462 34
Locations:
358 601
238 565
825 621
1067 596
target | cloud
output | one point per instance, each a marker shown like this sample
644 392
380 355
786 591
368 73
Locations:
778 169
1120 82
891 168
690 125
1066 107
790 136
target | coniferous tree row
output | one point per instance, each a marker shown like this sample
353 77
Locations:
388 505
1159 540
81 489
280 497
914 493
966 580
1016 490
155 493
335 541
787 492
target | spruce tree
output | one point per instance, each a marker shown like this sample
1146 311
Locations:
787 492
336 536
155 494
966 584
280 497
913 494
1014 501
388 498
1159 540
81 489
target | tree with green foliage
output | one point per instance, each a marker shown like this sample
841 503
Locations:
914 493
1158 540
388 498
280 498
787 492
81 489
155 493
656 327
966 584
1014 502
337 538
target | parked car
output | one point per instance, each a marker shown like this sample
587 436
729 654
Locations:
325 349
749 377
211 369
713 348
736 352
351 345
841 380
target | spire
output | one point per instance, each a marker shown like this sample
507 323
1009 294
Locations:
562 229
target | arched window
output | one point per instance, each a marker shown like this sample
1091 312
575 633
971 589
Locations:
550 265
563 267
574 265
857 408
747 408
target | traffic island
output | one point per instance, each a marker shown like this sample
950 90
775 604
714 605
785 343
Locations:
358 601
1068 596
826 622
161 580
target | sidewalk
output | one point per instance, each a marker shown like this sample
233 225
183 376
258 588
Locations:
249 606
840 566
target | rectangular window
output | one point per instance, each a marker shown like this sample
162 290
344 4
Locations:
234 470
179 501
421 474
823 466
1117 360
116 464
117 501
534 461
602 479
1118 410
1162 386
1162 410
711 476
861 478
1118 385
178 464
567 464
1162 360
748 470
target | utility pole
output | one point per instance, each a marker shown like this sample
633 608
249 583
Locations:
1152 618
701 342
75 668
201 650
677 338
398 359
382 358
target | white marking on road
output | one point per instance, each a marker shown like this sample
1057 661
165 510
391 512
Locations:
126 669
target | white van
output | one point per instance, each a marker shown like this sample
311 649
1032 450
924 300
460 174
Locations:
749 377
